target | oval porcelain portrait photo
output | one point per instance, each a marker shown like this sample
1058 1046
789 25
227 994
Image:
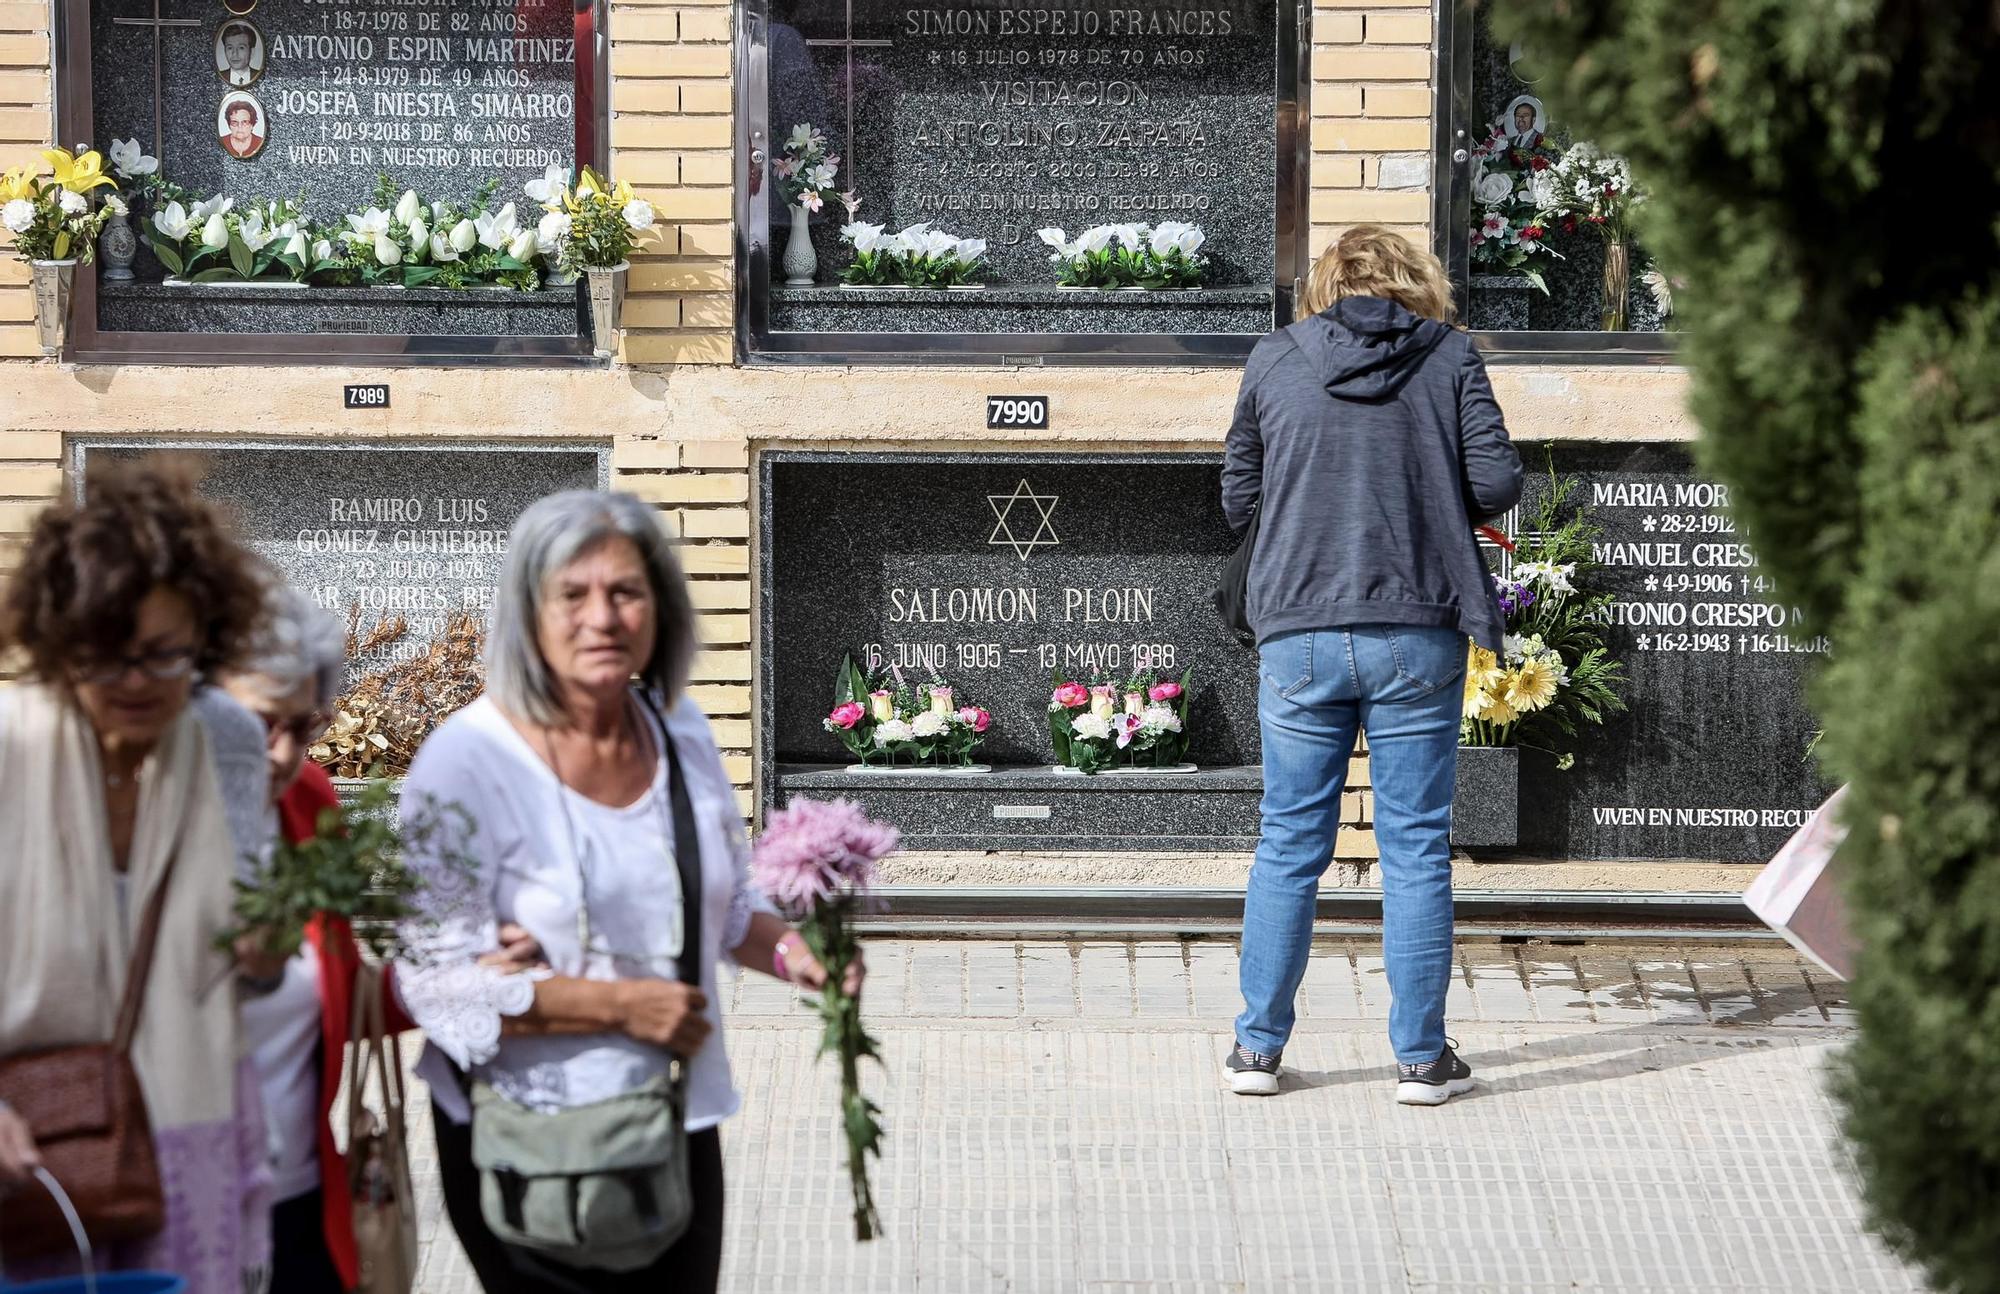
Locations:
239 54
241 126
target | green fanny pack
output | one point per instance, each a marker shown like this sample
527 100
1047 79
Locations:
603 1185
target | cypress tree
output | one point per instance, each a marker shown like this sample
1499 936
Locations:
1824 178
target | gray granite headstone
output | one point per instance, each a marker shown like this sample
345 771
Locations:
1711 762
418 531
993 121
998 570
437 95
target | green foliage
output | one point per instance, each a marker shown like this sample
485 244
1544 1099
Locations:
1825 179
352 866
829 932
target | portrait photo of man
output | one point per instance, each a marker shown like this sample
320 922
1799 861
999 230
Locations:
241 125
239 54
1525 122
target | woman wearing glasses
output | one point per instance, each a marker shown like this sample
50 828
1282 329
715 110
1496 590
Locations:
573 796
109 796
297 1033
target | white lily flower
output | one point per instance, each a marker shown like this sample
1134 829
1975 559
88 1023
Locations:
215 233
386 251
970 249
173 222
497 228
420 234
523 246
370 223
801 138
938 243
296 248
1132 236
407 207
217 205
548 189
18 216
638 215
256 235
464 236
1094 240
865 237
130 161
821 176
441 250
1053 237
1163 236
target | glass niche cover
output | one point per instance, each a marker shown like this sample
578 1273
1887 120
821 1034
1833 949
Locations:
236 126
1552 248
980 168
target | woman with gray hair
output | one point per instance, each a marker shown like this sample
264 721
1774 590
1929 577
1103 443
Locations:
585 799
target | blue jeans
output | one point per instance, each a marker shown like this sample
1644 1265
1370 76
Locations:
1403 685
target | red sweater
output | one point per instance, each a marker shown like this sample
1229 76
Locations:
298 816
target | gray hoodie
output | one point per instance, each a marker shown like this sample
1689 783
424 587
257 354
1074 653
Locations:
1369 441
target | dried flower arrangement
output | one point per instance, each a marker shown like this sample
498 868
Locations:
383 717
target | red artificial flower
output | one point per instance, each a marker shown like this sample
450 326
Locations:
1534 231
1539 163
1595 220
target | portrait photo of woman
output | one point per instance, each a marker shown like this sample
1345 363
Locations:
241 125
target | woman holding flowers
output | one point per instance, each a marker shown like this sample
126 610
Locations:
580 797
1366 443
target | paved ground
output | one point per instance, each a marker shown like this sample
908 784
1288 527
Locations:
1648 1121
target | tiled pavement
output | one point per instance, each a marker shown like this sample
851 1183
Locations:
1649 1119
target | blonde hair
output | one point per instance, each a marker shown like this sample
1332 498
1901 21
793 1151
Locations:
1370 261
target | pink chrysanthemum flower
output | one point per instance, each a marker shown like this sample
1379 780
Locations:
813 850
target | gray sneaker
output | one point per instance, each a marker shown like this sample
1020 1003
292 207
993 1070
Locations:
1435 1081
1252 1073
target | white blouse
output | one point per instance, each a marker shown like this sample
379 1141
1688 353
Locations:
497 837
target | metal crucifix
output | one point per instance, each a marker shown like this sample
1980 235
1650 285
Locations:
159 75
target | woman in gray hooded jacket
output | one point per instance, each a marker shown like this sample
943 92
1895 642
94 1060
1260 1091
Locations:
1368 442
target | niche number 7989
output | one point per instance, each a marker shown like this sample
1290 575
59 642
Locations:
1024 412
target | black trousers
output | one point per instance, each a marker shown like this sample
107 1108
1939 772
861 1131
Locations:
692 1266
300 1263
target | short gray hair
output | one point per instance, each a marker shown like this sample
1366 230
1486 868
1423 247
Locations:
551 534
298 644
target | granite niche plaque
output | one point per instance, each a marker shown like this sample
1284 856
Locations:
1712 760
995 572
992 121
417 531
301 99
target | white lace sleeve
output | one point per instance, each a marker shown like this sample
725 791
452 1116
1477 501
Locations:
456 1002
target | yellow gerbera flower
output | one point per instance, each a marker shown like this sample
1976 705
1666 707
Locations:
1531 686
1493 708
77 174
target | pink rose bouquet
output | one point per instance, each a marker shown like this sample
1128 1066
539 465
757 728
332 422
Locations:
1150 732
881 717
817 861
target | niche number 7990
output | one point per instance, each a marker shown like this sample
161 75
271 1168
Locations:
1024 412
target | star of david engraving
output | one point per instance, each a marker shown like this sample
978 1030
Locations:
1004 534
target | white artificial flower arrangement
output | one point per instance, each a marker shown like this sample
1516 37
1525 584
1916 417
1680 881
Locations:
1166 256
408 242
218 240
917 257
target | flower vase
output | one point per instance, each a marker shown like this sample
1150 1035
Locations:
116 246
801 262
52 287
607 301
1617 280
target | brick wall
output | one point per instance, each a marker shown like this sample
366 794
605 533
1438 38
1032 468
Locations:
671 135
26 119
1371 117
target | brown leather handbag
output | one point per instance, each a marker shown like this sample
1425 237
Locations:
378 1156
85 1109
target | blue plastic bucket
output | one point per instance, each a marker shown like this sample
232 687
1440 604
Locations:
108 1283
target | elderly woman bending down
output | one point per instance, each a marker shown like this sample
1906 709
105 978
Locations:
551 802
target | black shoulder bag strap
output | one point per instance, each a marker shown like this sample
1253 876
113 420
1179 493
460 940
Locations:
687 850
